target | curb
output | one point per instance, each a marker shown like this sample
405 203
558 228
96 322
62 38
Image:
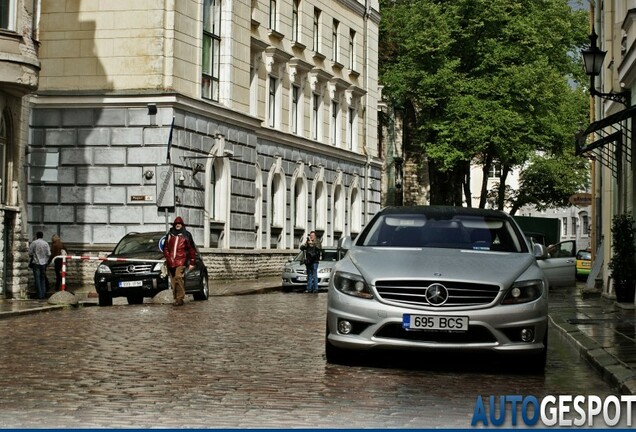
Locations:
611 369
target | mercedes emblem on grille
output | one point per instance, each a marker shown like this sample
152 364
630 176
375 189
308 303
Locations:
131 268
436 294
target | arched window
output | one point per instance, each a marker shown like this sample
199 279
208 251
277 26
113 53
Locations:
4 139
320 206
338 210
355 212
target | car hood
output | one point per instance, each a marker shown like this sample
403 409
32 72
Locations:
141 255
440 264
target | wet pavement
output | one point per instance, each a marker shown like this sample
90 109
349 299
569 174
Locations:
603 332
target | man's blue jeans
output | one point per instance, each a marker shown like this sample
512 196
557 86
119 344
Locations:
39 274
312 277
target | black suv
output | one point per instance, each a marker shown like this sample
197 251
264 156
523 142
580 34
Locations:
126 273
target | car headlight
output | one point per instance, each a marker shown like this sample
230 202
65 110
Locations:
288 270
103 268
324 270
158 266
523 292
351 284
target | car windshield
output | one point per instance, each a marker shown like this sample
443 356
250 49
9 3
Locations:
457 231
135 244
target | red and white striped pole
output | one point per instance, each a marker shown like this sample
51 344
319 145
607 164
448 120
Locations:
94 258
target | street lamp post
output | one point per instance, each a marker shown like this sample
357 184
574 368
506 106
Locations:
593 58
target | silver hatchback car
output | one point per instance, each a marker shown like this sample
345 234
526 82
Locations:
439 278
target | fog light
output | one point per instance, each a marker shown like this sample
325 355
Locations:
344 327
527 335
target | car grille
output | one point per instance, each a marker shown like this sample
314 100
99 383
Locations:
132 268
413 292
475 334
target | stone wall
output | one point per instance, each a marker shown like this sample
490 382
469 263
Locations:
221 264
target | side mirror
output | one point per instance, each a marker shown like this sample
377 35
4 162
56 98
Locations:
539 251
345 243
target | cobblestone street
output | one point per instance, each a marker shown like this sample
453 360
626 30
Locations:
244 361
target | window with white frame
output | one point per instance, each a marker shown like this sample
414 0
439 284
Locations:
276 196
7 14
315 116
494 171
585 224
352 50
295 36
351 128
335 42
300 203
273 15
212 194
338 209
565 226
316 31
355 212
320 206
271 101
335 123
211 56
295 109
575 223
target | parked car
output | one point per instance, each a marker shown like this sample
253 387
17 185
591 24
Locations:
583 263
295 273
439 278
126 274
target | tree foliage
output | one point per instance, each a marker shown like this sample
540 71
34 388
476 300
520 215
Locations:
484 81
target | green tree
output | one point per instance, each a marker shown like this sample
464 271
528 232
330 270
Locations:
483 81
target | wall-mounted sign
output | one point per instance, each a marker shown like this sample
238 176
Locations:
141 197
581 199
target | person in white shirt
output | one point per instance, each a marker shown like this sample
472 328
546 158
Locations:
39 254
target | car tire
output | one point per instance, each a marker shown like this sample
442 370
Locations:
204 292
536 363
135 299
105 299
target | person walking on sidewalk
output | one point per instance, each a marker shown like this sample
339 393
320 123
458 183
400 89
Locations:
39 254
313 250
179 251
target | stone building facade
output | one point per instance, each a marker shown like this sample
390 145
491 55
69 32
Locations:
254 121
19 70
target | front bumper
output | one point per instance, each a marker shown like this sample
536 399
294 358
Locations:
378 325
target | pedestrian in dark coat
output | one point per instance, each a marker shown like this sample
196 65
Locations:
180 252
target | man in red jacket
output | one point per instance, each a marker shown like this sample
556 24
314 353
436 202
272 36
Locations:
179 251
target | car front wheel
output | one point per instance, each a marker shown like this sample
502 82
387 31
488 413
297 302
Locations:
135 299
204 292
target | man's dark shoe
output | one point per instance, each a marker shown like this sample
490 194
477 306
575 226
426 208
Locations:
178 302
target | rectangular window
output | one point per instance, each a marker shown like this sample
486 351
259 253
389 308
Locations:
586 225
352 50
294 109
315 107
7 14
351 127
316 31
495 171
565 226
335 44
211 56
574 225
335 111
271 112
273 15
296 21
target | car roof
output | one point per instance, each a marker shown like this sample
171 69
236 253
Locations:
443 211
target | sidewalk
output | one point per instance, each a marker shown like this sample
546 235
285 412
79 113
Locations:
602 332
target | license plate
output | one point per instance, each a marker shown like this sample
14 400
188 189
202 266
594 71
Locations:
434 322
128 284
302 278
